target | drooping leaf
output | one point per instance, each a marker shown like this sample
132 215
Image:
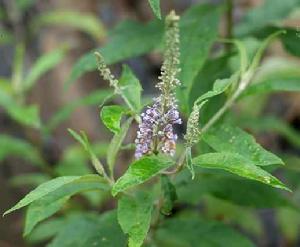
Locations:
128 39
134 217
141 171
226 138
43 64
115 145
131 89
111 117
14 147
39 210
193 231
169 195
84 22
95 98
155 6
53 186
90 230
237 164
198 31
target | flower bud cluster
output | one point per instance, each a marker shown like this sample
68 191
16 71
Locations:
156 131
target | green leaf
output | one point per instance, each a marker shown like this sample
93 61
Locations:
231 189
115 145
45 230
131 89
199 29
43 64
128 39
226 138
111 117
290 41
97 97
193 231
54 185
134 216
84 22
90 230
155 6
38 211
169 195
13 147
189 163
237 164
265 14
140 171
83 140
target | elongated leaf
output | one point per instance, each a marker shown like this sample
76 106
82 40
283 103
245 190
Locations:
38 211
169 195
193 231
52 186
199 29
84 22
226 138
131 89
155 5
95 98
128 39
141 171
115 145
111 117
90 230
10 146
43 64
238 165
134 216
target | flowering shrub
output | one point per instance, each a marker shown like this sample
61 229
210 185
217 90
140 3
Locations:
190 145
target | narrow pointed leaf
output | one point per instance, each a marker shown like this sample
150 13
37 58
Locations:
155 5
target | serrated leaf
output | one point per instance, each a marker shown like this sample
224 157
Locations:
237 164
169 195
53 186
227 138
115 145
194 231
131 89
134 217
140 171
52 202
155 6
111 117
128 39
43 64
199 29
84 22
97 97
90 230
13 147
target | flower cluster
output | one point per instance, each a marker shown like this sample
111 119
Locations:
156 131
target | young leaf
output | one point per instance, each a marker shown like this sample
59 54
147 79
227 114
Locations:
111 117
38 211
134 216
45 63
52 186
97 97
115 145
169 195
140 171
226 138
155 5
128 39
199 29
90 230
84 22
237 164
131 89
